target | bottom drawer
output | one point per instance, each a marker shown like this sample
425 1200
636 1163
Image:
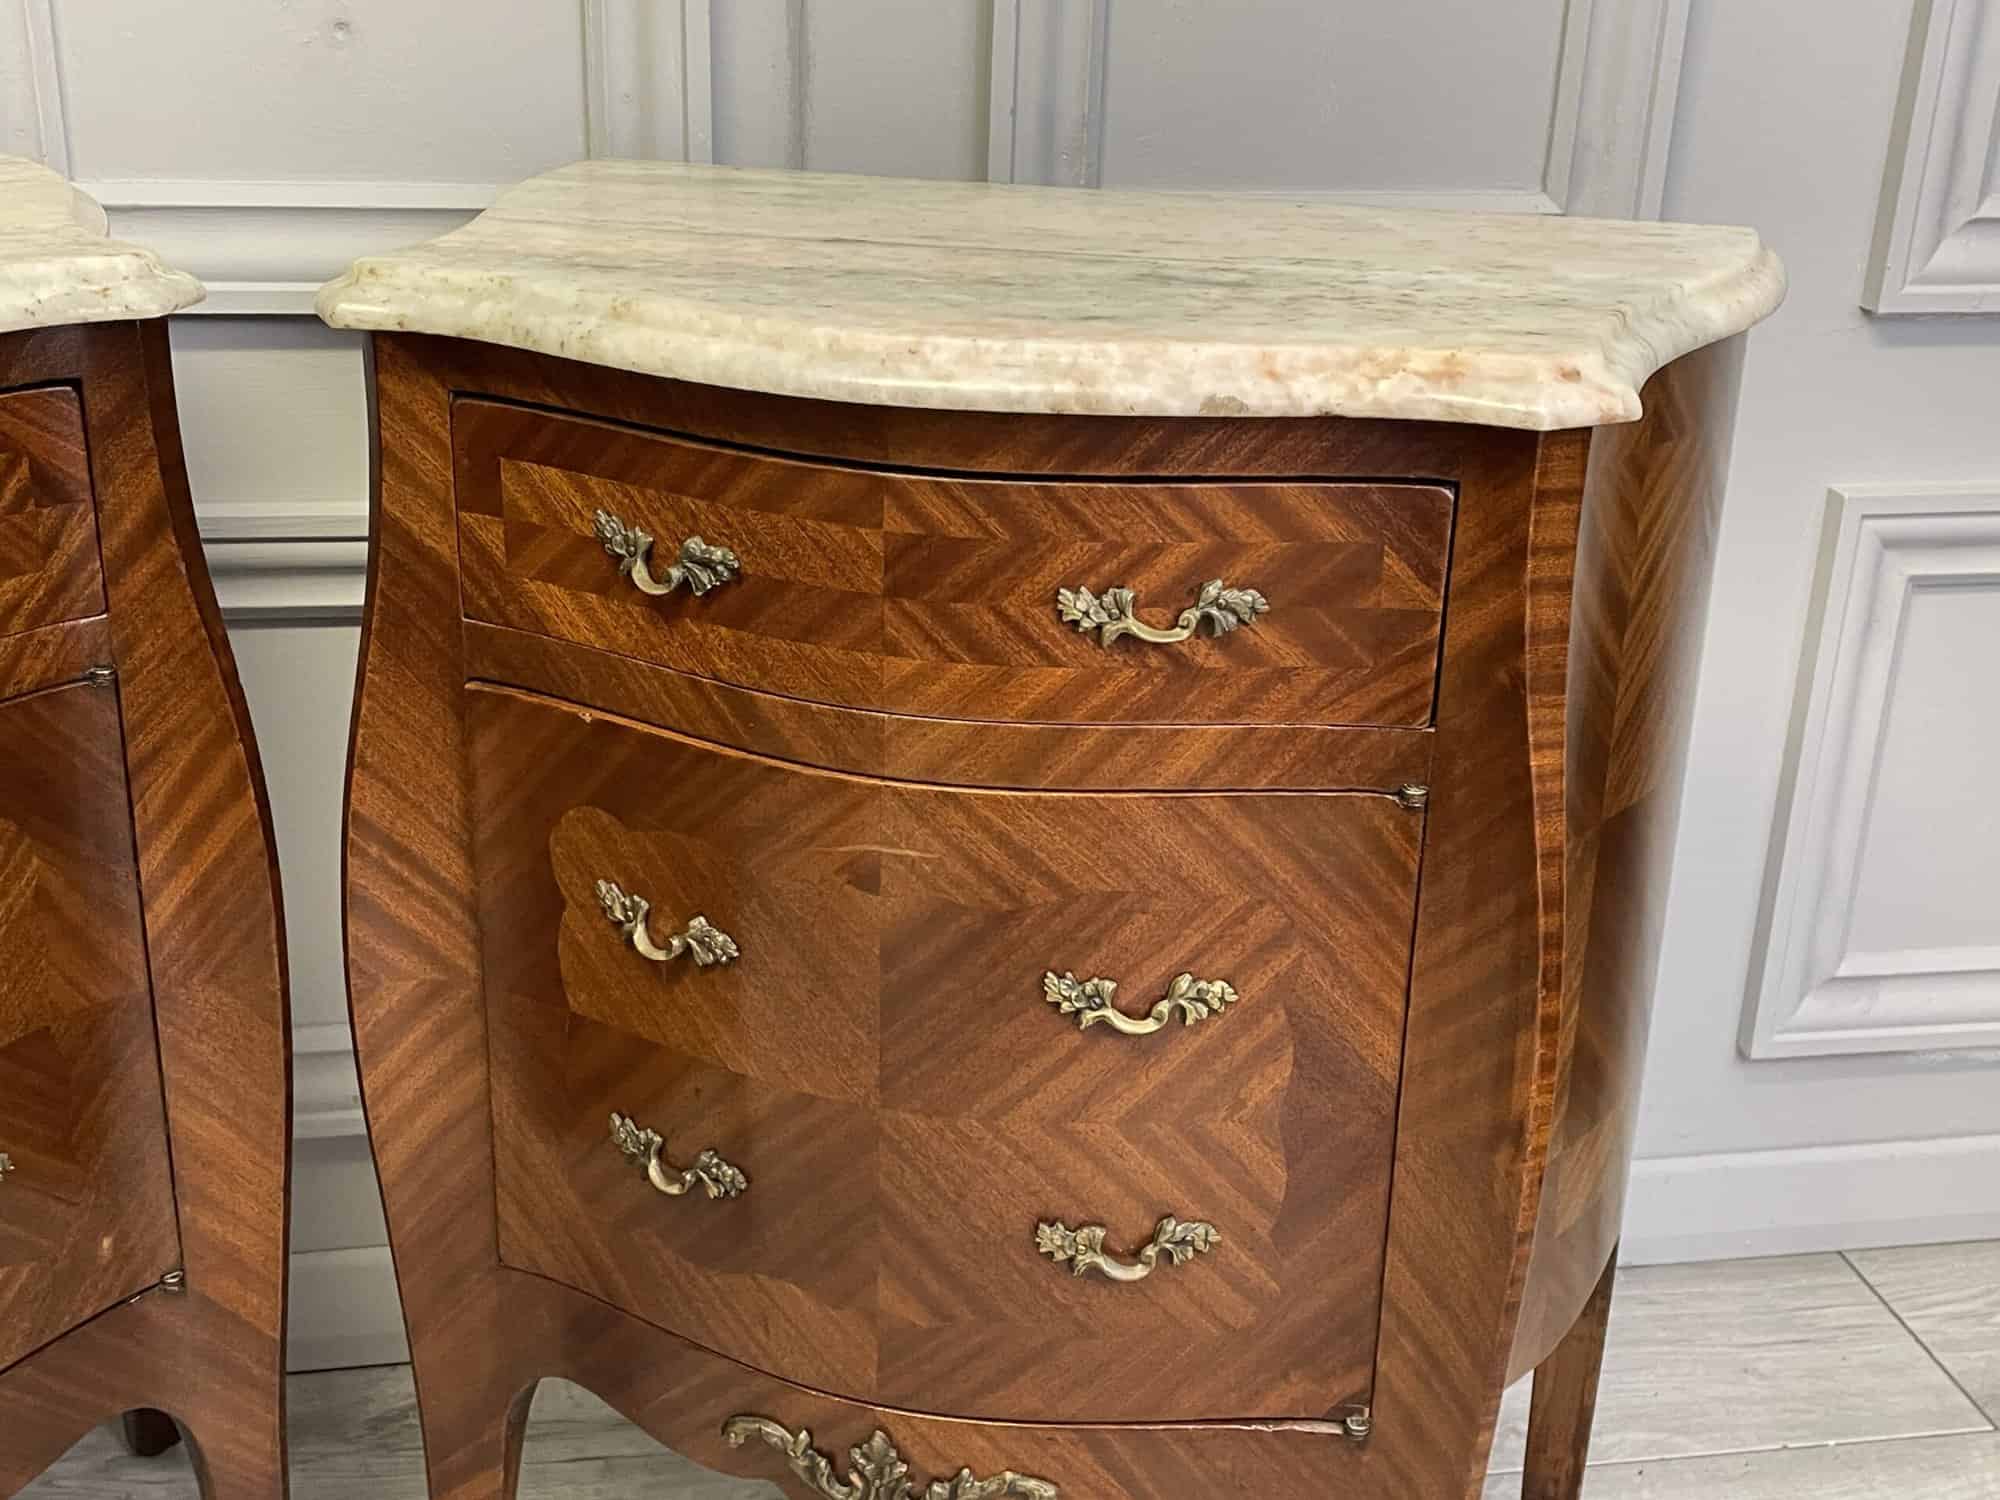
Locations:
911 1106
86 1203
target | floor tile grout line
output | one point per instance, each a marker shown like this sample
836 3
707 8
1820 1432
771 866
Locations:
1932 1354
1897 1440
1879 1440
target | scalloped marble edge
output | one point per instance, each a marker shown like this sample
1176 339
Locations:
545 310
57 266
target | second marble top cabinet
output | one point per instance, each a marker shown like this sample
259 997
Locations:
1009 843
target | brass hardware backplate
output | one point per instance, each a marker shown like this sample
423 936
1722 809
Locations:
1358 1424
700 566
1115 612
6 1166
1091 1001
704 943
642 1147
1177 1241
876 1471
1412 796
100 676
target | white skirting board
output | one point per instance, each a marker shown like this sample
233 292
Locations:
344 1311
1729 1206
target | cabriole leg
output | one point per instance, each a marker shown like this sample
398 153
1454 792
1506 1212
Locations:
1565 1400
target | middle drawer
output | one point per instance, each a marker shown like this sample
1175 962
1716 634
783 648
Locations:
881 1027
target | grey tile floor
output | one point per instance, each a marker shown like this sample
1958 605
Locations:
1872 1376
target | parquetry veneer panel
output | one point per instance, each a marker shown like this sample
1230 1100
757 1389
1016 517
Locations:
86 1213
935 595
48 527
144 1081
882 1061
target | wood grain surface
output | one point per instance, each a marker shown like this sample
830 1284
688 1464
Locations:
935 595
1650 509
1486 1033
1565 1402
957 752
48 525
87 1214
884 1064
212 1355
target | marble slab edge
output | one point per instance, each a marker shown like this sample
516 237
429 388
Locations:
57 267
684 340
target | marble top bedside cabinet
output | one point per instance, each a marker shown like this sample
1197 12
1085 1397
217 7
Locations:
1020 832
144 1045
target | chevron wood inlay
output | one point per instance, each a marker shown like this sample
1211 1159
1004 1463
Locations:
48 526
87 1215
883 1040
1407 1126
143 1029
936 596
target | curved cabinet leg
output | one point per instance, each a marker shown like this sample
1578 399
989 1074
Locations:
148 1433
472 1440
236 1442
1565 1401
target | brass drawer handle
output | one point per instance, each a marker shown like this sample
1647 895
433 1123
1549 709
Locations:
876 1471
1114 613
6 1165
701 567
1180 1242
642 1149
704 944
1091 1001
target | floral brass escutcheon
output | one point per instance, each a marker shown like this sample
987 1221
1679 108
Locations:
701 566
1093 1000
642 1148
1177 1241
700 940
1115 612
876 1471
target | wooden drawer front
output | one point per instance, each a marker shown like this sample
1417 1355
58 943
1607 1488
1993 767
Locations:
86 1214
882 1063
48 524
938 596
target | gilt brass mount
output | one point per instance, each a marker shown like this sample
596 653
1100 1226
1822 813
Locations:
1092 1001
876 1471
704 944
642 1148
700 566
1175 1240
1115 612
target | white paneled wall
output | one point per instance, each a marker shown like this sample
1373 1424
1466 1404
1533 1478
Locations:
264 143
1856 812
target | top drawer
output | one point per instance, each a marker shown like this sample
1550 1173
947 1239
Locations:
938 594
48 524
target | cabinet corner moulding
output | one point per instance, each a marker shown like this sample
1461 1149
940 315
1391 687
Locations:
1937 233
1876 934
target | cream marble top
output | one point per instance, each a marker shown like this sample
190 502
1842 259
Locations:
57 267
983 297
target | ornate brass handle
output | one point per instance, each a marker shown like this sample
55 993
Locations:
701 567
1114 613
1083 1248
876 1471
704 944
6 1165
1091 1001
642 1149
